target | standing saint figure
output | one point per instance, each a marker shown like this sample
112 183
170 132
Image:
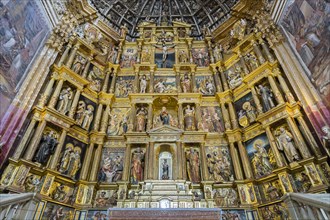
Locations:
137 166
64 100
143 84
186 83
193 165
75 162
267 97
64 165
189 118
286 144
141 119
88 117
46 148
164 116
165 169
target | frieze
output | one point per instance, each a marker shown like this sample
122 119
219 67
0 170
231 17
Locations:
56 120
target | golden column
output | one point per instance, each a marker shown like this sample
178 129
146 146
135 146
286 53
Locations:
225 116
66 52
204 162
232 114
257 51
180 116
193 80
106 81
58 150
256 99
151 85
149 124
127 164
309 137
132 118
56 93
243 64
98 117
223 79
198 117
86 69
152 167
136 80
95 165
299 140
179 159
44 97
284 86
105 118
273 145
113 81
72 55
217 80
269 55
245 160
274 87
184 162
236 163
35 140
25 139
74 103
178 81
86 162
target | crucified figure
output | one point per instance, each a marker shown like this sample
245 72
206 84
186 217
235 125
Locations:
165 48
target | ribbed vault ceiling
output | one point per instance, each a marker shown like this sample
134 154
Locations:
198 13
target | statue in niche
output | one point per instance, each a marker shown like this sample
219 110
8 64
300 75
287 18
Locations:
234 79
260 160
189 118
193 165
79 64
46 148
251 61
137 166
112 55
111 170
145 56
165 49
183 57
65 98
143 83
186 83
88 117
164 116
74 163
80 112
250 111
218 163
266 97
165 169
95 76
326 137
286 144
141 119
65 160
217 52
207 87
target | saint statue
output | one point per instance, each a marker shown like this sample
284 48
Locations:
189 118
64 165
193 165
46 148
141 119
123 31
285 143
326 137
143 84
112 55
183 57
164 116
217 53
186 83
234 79
65 98
145 56
260 160
80 112
88 117
250 111
137 166
165 169
266 97
78 64
75 162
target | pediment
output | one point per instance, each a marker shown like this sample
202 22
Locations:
165 129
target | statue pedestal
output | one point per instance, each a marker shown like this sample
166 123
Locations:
164 213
